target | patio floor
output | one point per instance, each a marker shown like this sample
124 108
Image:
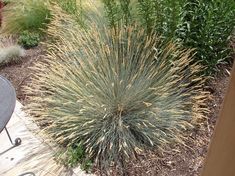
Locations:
33 155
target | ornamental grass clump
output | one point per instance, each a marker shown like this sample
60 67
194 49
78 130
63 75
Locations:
115 92
21 15
10 52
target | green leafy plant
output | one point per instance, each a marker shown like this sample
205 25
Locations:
87 165
124 10
29 39
81 11
74 8
112 11
70 6
115 92
20 15
201 24
75 155
163 16
208 26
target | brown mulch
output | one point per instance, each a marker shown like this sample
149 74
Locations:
184 161
187 160
19 73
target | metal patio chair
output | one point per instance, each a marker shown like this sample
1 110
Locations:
7 106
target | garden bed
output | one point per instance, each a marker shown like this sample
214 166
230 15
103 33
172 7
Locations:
183 161
19 73
104 95
187 161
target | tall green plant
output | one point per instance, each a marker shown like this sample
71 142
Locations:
116 92
74 8
160 15
207 26
126 10
201 24
163 16
147 13
112 11
70 6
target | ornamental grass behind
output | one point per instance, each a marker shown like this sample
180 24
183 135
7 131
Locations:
20 15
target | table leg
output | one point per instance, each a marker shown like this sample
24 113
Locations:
17 140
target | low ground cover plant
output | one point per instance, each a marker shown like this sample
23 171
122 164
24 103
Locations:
29 39
115 92
73 156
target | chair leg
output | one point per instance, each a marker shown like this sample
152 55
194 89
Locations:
17 140
16 143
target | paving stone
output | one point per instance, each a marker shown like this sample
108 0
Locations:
33 155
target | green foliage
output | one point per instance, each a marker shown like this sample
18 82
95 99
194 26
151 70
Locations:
201 24
73 156
125 7
70 6
160 15
121 10
112 11
20 15
29 39
115 92
147 13
80 11
86 165
207 26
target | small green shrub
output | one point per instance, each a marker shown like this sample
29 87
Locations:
87 165
20 15
114 92
73 156
29 39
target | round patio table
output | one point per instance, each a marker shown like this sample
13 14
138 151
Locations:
7 106
7 101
